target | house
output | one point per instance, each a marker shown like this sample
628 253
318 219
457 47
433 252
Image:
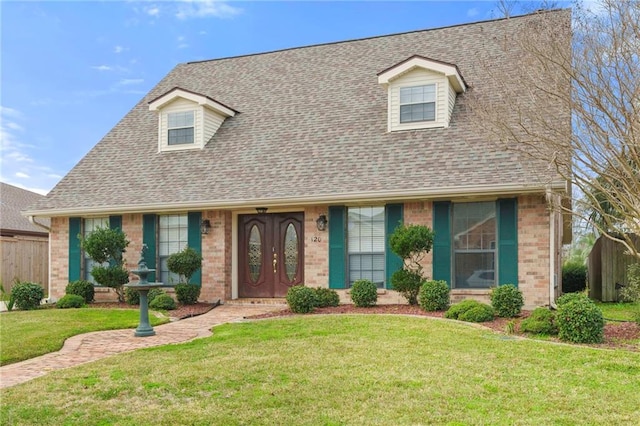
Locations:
294 166
24 244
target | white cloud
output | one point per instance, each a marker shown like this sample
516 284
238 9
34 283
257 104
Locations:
473 12
102 68
10 112
152 11
119 49
130 81
205 8
22 175
14 126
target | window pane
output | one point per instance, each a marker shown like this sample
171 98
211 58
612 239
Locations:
180 119
474 270
418 112
366 244
172 238
181 136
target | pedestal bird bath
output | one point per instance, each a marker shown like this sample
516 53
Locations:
143 286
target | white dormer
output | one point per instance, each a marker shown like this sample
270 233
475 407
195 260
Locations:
421 93
187 120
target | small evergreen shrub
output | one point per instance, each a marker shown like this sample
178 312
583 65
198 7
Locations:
163 301
458 309
185 263
326 297
301 299
631 291
480 313
580 321
27 295
434 295
574 277
407 282
153 293
81 288
541 321
131 296
70 301
364 293
570 297
506 300
187 294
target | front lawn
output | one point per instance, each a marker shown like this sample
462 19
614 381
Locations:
342 369
618 311
27 334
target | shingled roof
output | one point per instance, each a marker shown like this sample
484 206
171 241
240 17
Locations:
311 127
12 201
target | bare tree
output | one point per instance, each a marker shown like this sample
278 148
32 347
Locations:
597 79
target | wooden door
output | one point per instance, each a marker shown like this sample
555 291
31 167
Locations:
271 254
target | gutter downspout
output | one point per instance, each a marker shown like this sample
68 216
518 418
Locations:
32 220
552 249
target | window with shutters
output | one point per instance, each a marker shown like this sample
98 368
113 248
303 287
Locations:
366 244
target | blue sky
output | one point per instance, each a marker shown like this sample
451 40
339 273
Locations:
71 70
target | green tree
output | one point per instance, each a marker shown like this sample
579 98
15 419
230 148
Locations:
185 263
411 243
106 247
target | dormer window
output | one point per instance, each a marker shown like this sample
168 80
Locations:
421 93
187 120
418 103
180 127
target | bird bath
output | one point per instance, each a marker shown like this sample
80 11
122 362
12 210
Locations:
142 286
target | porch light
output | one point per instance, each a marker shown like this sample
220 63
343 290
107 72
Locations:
261 210
205 226
321 222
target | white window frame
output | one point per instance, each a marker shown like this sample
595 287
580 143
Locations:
173 237
423 101
372 245
182 114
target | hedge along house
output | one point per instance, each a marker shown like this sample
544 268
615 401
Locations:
294 167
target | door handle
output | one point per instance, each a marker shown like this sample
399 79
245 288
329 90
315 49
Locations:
275 263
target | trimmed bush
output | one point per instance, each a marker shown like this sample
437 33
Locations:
81 288
580 321
574 277
326 297
507 300
570 297
407 282
185 263
187 294
364 293
153 293
480 313
301 299
458 309
541 321
162 301
131 296
27 295
70 301
434 296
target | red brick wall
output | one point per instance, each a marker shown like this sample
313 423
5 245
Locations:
316 249
59 238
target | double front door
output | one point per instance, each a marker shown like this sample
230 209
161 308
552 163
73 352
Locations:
271 254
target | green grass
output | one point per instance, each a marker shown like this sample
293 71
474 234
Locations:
618 310
340 370
27 334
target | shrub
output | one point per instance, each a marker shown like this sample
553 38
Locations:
326 297
480 313
187 294
458 309
153 293
27 295
364 293
105 247
507 300
570 297
541 321
185 263
631 291
162 301
70 301
407 282
81 288
131 296
301 299
580 321
574 277
434 296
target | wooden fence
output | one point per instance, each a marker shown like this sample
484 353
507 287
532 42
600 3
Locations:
26 259
607 267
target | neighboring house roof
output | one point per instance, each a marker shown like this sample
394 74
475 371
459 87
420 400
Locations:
311 127
12 201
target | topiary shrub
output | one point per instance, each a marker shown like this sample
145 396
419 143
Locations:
185 263
574 277
580 321
411 243
27 295
434 296
480 313
541 321
162 301
131 296
326 297
70 301
458 309
301 299
81 288
570 297
407 282
187 294
507 300
364 293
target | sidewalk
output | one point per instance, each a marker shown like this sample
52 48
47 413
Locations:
90 347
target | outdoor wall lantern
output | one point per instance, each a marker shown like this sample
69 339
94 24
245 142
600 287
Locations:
261 210
321 222
205 226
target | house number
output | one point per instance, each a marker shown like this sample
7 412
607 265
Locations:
316 239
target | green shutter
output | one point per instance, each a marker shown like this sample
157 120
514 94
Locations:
115 222
75 252
393 218
149 224
442 241
194 240
507 212
337 247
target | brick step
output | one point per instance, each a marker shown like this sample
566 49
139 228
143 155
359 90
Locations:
257 301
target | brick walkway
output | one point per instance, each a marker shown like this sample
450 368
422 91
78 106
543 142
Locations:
90 347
